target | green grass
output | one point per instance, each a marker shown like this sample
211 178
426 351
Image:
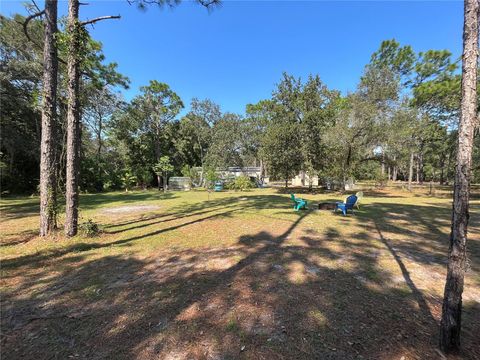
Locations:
172 276
232 325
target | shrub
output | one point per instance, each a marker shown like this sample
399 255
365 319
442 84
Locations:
108 185
186 171
89 228
241 183
128 180
144 177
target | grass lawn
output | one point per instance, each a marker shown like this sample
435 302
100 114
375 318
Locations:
187 275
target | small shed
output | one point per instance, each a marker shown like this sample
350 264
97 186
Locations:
180 183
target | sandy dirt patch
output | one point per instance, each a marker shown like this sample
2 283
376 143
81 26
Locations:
130 209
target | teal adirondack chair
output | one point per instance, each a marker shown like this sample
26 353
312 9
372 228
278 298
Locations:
218 186
298 203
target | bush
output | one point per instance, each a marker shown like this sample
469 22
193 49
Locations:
128 180
144 177
186 171
89 228
241 183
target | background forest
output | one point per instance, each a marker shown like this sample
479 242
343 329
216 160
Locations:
399 124
70 125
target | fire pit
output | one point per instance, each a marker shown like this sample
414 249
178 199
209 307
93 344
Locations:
326 205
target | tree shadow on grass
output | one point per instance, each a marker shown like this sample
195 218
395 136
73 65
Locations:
406 275
264 295
27 207
18 238
31 207
38 258
222 207
92 201
427 229
261 299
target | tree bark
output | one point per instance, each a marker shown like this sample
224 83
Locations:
417 173
157 145
442 171
99 135
383 162
73 119
450 326
410 172
261 171
48 163
420 175
394 168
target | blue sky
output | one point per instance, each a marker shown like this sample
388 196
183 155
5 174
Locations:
236 54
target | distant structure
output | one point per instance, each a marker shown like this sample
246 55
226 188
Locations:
179 183
303 179
253 172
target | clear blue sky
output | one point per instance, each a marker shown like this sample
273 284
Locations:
235 54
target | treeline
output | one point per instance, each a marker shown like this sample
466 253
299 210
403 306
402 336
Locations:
399 124
21 81
72 64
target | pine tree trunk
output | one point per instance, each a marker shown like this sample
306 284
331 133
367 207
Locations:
420 167
261 171
201 163
417 172
99 136
383 163
410 173
394 168
442 172
73 120
100 183
48 163
452 304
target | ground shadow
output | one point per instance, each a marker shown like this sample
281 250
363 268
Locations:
325 296
263 298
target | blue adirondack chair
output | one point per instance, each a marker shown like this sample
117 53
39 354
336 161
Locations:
298 203
347 205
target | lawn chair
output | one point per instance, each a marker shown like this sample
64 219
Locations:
359 196
218 186
298 203
347 205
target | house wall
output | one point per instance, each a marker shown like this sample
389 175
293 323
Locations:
179 183
297 180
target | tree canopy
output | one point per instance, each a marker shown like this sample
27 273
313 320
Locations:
400 122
